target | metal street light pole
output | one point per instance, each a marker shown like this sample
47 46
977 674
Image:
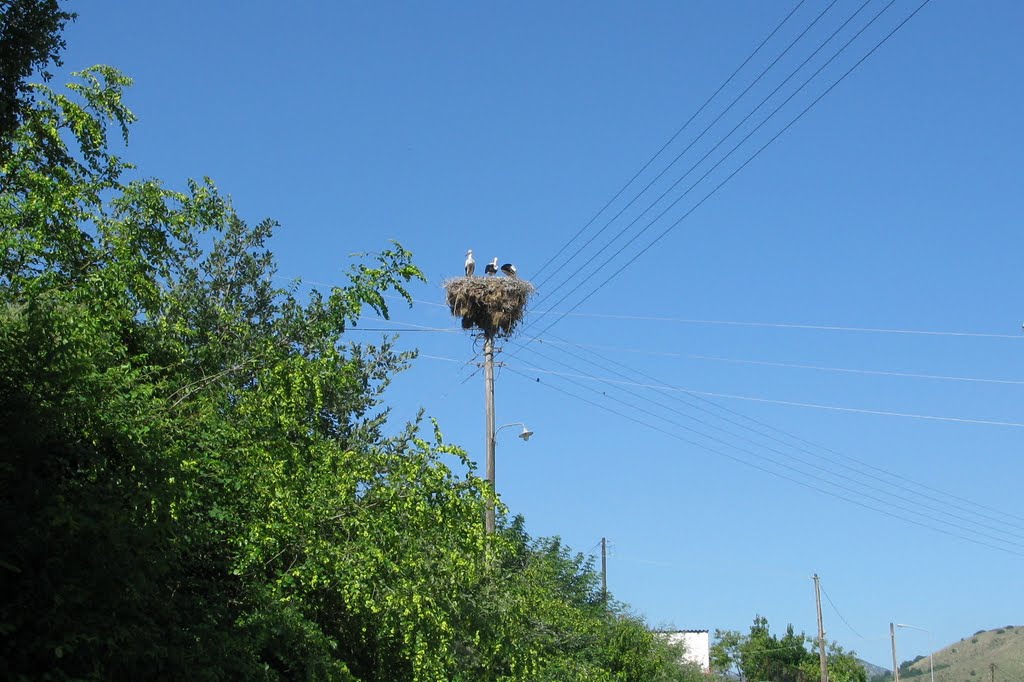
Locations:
931 647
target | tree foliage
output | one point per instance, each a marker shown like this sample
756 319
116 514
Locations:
201 480
760 656
30 40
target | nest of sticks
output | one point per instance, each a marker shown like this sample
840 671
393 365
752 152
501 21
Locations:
494 305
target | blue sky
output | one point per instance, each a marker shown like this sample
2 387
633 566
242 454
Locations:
894 203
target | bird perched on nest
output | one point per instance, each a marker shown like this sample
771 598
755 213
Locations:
492 267
470 263
508 269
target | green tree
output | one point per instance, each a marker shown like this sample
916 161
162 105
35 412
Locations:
201 478
726 653
760 656
30 40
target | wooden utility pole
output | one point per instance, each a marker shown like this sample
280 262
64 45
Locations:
604 572
489 408
821 632
895 665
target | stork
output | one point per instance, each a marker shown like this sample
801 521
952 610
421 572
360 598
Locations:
492 267
470 263
509 270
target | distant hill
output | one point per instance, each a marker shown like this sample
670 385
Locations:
968 660
872 669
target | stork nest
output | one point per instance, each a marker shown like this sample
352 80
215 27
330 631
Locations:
494 305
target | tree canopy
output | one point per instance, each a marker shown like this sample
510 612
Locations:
30 41
201 477
759 656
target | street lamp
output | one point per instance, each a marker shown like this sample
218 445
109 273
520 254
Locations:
931 648
525 435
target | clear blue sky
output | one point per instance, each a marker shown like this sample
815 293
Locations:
895 203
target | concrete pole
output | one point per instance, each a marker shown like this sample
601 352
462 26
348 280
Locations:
822 658
895 665
604 572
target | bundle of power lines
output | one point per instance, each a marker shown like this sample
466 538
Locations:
737 132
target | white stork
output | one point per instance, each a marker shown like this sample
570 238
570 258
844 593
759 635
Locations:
508 270
492 267
470 263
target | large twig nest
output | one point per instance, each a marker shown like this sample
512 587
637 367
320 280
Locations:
494 305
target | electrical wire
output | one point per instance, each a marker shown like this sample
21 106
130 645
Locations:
883 511
396 329
736 323
900 487
868 486
609 363
889 504
729 134
738 169
838 408
670 140
715 147
791 365
847 370
696 139
837 458
836 609
777 325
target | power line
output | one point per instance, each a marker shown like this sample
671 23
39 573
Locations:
868 486
765 469
699 136
722 140
733 323
609 363
792 365
901 489
739 323
836 609
779 325
438 357
742 166
396 329
822 368
413 325
670 140
837 408
884 511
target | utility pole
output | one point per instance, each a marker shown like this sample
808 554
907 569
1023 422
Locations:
604 572
821 632
489 408
895 665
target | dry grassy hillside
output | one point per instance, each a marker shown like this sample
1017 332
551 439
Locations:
969 659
